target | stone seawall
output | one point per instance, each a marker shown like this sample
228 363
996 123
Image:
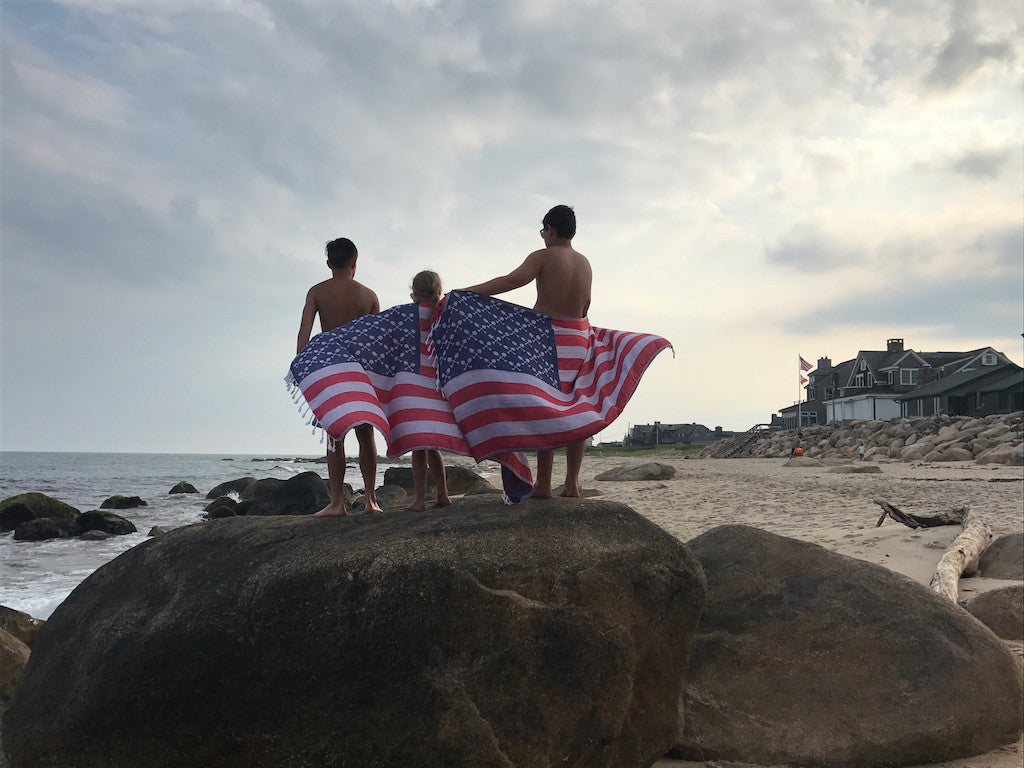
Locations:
995 439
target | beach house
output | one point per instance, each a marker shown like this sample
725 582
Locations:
896 382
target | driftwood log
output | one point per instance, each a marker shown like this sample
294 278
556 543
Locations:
962 557
951 517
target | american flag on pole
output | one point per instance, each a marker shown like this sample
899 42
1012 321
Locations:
804 365
478 376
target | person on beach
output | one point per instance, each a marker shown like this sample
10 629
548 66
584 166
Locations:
426 287
563 278
339 300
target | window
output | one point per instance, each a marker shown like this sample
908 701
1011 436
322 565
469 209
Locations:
859 381
908 376
863 365
890 376
869 379
988 359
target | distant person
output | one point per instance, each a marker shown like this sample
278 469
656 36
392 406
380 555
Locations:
860 453
564 279
426 287
340 300
797 447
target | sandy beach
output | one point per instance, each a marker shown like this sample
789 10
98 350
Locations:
836 511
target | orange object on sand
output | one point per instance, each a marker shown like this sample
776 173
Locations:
798 452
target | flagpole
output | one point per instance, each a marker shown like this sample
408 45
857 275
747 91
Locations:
799 376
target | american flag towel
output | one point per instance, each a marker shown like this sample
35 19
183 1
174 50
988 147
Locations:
477 376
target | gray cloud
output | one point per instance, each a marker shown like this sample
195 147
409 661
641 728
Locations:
808 248
984 164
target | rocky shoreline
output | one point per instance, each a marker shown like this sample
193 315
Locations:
995 439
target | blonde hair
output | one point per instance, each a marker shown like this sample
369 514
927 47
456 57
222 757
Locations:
426 286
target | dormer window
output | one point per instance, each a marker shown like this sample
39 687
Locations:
988 359
908 376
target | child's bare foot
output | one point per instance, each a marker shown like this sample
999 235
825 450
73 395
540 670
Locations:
332 510
417 506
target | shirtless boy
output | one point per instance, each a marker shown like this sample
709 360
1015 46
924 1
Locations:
338 301
563 278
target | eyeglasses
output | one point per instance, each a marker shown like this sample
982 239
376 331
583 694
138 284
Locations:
543 231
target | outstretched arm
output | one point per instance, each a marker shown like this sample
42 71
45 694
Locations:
517 278
306 324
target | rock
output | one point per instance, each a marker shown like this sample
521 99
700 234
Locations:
1004 558
260 487
997 454
44 528
803 461
20 624
160 530
14 655
390 495
224 506
460 480
1017 457
915 452
856 469
183 487
95 535
123 502
807 657
585 493
31 506
650 471
231 486
488 491
950 453
107 522
1001 610
541 635
996 430
303 494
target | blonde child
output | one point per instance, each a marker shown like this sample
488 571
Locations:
426 287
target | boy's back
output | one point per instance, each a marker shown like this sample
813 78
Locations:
563 282
341 299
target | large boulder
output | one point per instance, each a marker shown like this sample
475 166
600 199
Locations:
43 528
1004 558
224 506
108 522
302 494
183 487
460 480
20 624
13 658
1001 610
808 657
231 486
547 634
31 506
260 487
117 501
650 471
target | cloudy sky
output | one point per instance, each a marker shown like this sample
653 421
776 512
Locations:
752 180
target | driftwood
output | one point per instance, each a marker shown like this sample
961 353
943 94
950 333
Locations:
952 517
962 557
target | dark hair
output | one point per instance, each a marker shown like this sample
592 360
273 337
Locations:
562 219
341 252
426 286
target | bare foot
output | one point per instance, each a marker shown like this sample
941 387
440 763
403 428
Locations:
540 493
371 506
417 506
570 493
332 510
445 502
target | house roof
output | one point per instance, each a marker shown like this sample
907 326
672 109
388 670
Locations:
962 379
1005 381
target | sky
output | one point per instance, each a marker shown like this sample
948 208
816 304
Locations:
753 181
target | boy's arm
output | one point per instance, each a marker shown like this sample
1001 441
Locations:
306 324
517 278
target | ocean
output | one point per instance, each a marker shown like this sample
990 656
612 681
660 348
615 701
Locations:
36 576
